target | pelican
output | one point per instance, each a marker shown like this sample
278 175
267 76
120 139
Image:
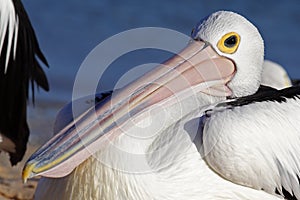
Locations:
274 75
138 142
20 58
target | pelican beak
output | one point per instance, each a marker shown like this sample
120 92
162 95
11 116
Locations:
197 68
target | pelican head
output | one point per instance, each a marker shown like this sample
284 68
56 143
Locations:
223 46
234 37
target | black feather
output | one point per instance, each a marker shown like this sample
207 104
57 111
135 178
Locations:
265 93
22 72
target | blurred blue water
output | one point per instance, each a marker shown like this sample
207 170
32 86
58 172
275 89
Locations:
68 30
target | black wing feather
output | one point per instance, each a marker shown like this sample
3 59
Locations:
23 70
264 93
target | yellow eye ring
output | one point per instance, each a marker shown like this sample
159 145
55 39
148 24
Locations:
229 43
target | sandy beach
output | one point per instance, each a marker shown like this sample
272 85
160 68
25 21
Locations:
11 185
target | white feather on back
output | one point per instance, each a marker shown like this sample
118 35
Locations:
256 145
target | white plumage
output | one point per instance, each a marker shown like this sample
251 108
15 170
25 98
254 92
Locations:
256 145
9 23
176 170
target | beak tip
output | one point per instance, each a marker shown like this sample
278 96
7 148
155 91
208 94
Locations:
28 172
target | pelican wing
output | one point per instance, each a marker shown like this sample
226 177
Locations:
20 67
255 140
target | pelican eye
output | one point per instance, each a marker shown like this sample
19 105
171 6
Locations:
229 43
